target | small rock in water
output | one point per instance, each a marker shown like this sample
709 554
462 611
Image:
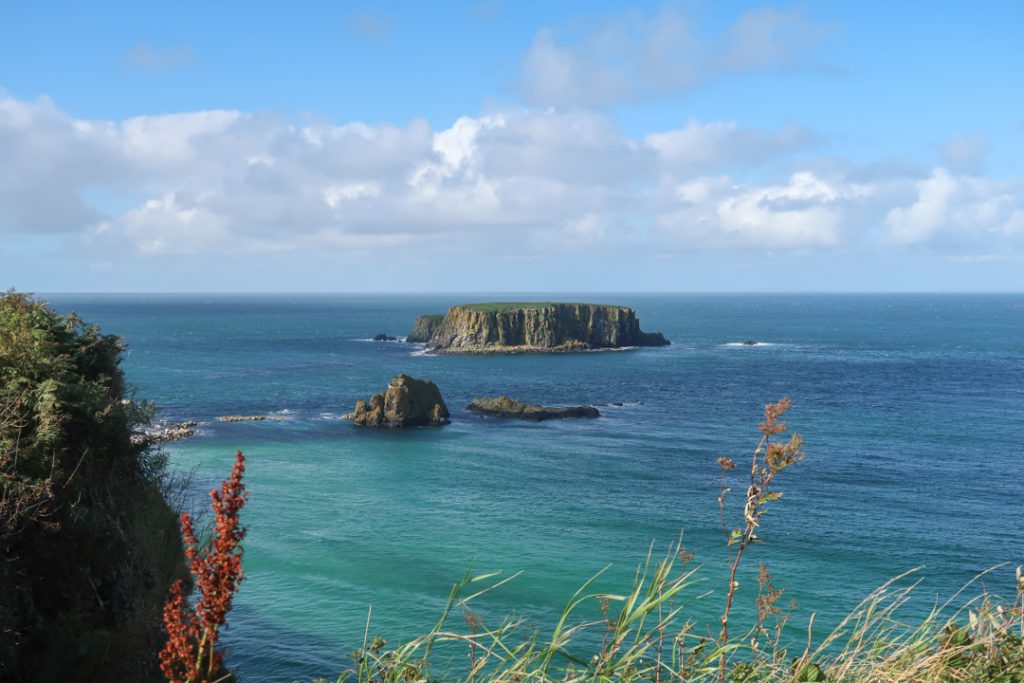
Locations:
503 406
407 402
750 342
381 337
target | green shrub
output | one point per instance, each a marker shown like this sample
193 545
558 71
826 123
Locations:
89 544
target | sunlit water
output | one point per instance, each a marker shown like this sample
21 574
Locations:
911 407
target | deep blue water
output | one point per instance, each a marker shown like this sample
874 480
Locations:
911 408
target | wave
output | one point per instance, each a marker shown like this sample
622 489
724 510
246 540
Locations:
748 344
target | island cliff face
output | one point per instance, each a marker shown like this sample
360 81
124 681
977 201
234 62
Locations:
541 327
423 328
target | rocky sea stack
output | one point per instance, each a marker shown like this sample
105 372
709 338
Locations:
532 327
407 402
503 406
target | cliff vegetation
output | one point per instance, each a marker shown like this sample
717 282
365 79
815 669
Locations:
89 546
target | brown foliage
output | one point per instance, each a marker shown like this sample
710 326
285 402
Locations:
190 654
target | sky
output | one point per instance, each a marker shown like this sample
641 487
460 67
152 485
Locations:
511 146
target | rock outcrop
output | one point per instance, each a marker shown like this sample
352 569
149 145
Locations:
503 406
423 328
533 327
383 337
407 402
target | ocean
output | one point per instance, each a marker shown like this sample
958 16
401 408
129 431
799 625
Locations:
910 407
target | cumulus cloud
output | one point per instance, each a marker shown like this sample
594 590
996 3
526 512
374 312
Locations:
956 210
48 160
697 146
513 182
634 56
805 211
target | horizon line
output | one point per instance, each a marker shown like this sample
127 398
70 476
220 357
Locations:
520 293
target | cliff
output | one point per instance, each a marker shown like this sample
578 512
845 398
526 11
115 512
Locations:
407 402
535 327
423 328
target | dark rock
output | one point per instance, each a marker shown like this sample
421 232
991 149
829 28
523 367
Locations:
750 342
407 402
383 338
503 406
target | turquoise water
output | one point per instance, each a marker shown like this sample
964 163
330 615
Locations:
911 407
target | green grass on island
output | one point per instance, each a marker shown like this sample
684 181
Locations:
499 306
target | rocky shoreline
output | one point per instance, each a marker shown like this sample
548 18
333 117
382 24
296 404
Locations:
164 432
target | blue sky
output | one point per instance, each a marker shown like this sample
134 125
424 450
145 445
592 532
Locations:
506 146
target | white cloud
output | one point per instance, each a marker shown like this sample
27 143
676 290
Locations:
632 56
698 146
173 225
957 210
512 182
804 212
46 161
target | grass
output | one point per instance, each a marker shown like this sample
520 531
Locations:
643 635
499 306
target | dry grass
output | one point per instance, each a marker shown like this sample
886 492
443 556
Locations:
644 636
